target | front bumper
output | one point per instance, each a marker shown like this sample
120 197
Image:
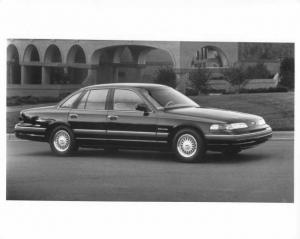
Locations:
238 141
30 132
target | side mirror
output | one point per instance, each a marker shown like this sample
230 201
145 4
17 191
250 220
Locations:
142 107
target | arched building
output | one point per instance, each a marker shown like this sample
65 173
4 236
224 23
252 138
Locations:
51 67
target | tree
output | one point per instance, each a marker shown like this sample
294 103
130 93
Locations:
166 76
200 78
287 73
235 75
258 71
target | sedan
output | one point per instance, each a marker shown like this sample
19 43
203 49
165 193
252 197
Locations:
140 116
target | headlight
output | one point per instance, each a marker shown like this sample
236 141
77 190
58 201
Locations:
261 121
237 126
227 127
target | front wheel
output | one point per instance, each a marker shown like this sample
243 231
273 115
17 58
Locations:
189 146
62 141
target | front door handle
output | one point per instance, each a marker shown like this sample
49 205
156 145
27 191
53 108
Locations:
112 117
73 116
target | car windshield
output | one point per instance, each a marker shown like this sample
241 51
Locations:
169 98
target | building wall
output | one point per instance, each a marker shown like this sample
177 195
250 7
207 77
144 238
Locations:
90 46
104 61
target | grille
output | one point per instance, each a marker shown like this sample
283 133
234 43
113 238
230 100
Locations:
256 130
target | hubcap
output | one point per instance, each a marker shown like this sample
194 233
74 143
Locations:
61 140
187 145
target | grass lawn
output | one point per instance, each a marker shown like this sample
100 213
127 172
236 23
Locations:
276 108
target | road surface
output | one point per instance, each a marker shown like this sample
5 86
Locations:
261 174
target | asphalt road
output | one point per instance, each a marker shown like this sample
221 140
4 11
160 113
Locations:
261 174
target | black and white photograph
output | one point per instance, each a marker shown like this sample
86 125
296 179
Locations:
111 120
149 119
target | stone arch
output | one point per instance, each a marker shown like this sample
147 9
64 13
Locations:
213 56
154 59
123 54
76 71
76 54
31 54
54 73
52 54
103 68
32 72
126 63
13 73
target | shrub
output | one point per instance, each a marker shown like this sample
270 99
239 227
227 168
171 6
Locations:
287 73
265 90
235 75
22 100
200 78
258 71
216 91
166 76
191 91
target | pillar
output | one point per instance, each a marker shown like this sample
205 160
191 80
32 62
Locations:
9 73
181 79
115 74
24 77
45 76
91 77
139 72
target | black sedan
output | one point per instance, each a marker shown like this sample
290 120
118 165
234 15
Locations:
135 116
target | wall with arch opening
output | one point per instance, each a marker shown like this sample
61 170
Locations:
31 69
13 73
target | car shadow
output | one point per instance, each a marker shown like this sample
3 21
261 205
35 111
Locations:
243 157
210 158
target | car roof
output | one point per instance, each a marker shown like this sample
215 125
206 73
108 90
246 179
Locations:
128 85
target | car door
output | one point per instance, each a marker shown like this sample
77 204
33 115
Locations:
88 118
128 126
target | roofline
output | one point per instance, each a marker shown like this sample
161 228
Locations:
125 85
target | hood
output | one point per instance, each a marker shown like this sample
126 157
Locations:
225 116
39 109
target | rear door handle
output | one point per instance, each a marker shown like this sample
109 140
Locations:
112 117
73 116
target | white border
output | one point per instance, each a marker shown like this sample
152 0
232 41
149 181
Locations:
153 20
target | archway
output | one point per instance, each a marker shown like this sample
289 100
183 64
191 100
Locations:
54 74
127 69
154 59
210 57
13 73
76 72
129 63
33 71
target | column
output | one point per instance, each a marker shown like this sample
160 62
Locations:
24 78
91 77
115 74
45 76
182 78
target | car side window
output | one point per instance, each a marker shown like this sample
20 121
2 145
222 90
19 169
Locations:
126 100
96 99
82 102
69 102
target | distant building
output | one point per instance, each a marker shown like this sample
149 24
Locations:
50 67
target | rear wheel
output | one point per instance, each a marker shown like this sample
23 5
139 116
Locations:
189 146
62 141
